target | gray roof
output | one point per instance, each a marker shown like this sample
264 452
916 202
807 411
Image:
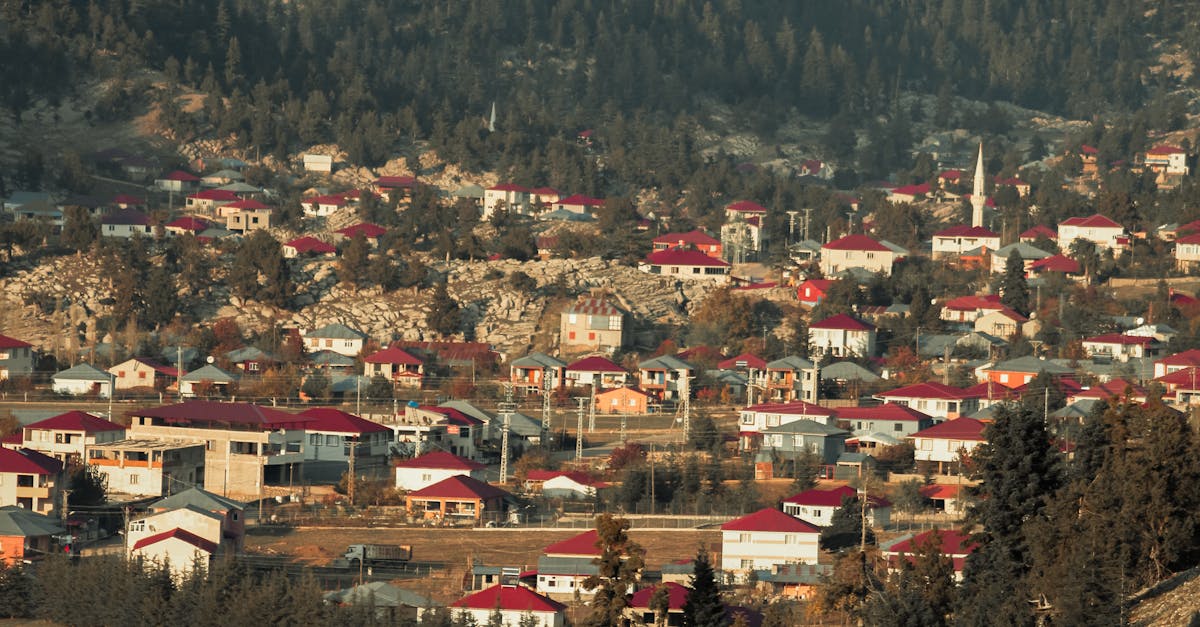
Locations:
18 521
566 566
330 358
848 371
469 409
525 426
170 354
337 331
934 345
728 377
468 191
855 458
896 248
791 362
1134 369
84 372
248 353
241 188
1081 408
988 412
379 594
878 438
1033 365
348 383
1023 250
210 372
538 360
196 497
807 427
566 215
215 232
666 362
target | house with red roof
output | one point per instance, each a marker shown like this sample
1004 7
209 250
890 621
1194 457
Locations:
29 479
208 200
369 232
1061 264
685 265
308 246
754 420
742 234
945 497
396 365
1039 231
968 309
857 251
596 371
639 611
177 181
326 204
126 223
16 358
935 399
187 225
1089 156
565 564
514 198
1114 389
956 240
65 437
812 291
745 362
1179 361
695 240
514 603
1100 230
1121 347
910 193
951 543
563 484
333 434
841 335
179 549
443 427
543 197
946 443
1003 323
1187 252
817 506
1168 163
398 186
246 446
891 419
142 372
229 210
427 469
578 203
593 323
764 540
457 498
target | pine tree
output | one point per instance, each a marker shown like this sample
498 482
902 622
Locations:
444 315
619 565
353 266
845 527
704 607
1014 289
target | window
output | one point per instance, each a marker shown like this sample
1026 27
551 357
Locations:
133 479
572 318
328 343
571 335
899 426
591 336
743 537
331 440
142 375
926 445
747 564
59 438
314 439
426 476
790 538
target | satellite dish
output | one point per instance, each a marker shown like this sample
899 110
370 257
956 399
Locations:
210 359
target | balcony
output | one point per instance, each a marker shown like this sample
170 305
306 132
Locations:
24 492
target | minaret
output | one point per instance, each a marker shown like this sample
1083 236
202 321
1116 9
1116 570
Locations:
977 197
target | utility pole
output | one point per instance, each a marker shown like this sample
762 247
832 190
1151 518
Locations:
506 411
807 220
65 508
687 405
547 390
592 408
791 226
352 477
178 373
579 428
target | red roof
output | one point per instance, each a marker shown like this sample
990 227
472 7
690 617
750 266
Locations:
545 191
76 421
126 199
912 190
746 206
1011 181
1190 357
510 598
126 217
1056 263
337 421
246 205
441 460
583 544
188 223
886 411
393 356
1121 340
940 491
1095 221
453 416
950 175
181 534
1117 388
964 230
368 230
770 519
928 389
508 187
180 175
794 408
745 360
12 342
974 303
310 244
28 462
954 543
595 364
1194 238
1088 150
677 595
1039 231
857 241
12 438
459 487
1166 150
215 194
581 200
834 497
1186 377
957 429
696 238
166 371
395 181
205 413
843 321
991 391
677 257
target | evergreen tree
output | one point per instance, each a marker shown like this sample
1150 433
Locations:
354 263
79 230
161 298
704 607
845 527
619 565
1014 289
444 315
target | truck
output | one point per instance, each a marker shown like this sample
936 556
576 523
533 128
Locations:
360 555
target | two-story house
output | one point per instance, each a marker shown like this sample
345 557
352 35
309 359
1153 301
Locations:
858 251
564 565
937 400
532 373
1100 230
890 419
697 239
766 539
754 420
946 443
1121 347
335 337
594 323
512 197
666 377
29 479
396 365
16 358
140 372
334 438
956 240
1168 163
247 446
841 336
66 437
596 371
143 467
1016 372
791 378
430 468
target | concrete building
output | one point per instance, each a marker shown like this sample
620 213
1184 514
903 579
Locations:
764 540
148 466
65 437
83 380
333 437
594 323
29 479
16 358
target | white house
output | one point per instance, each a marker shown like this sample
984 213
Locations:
841 336
335 337
514 198
66 436
514 603
1102 231
1121 347
1187 252
945 443
957 240
564 565
596 371
16 358
125 223
82 380
685 265
147 466
766 539
938 400
816 507
857 251
430 468
318 163
756 419
563 484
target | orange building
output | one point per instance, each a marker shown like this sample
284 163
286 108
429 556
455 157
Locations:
622 400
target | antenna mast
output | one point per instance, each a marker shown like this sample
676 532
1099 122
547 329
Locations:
506 411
